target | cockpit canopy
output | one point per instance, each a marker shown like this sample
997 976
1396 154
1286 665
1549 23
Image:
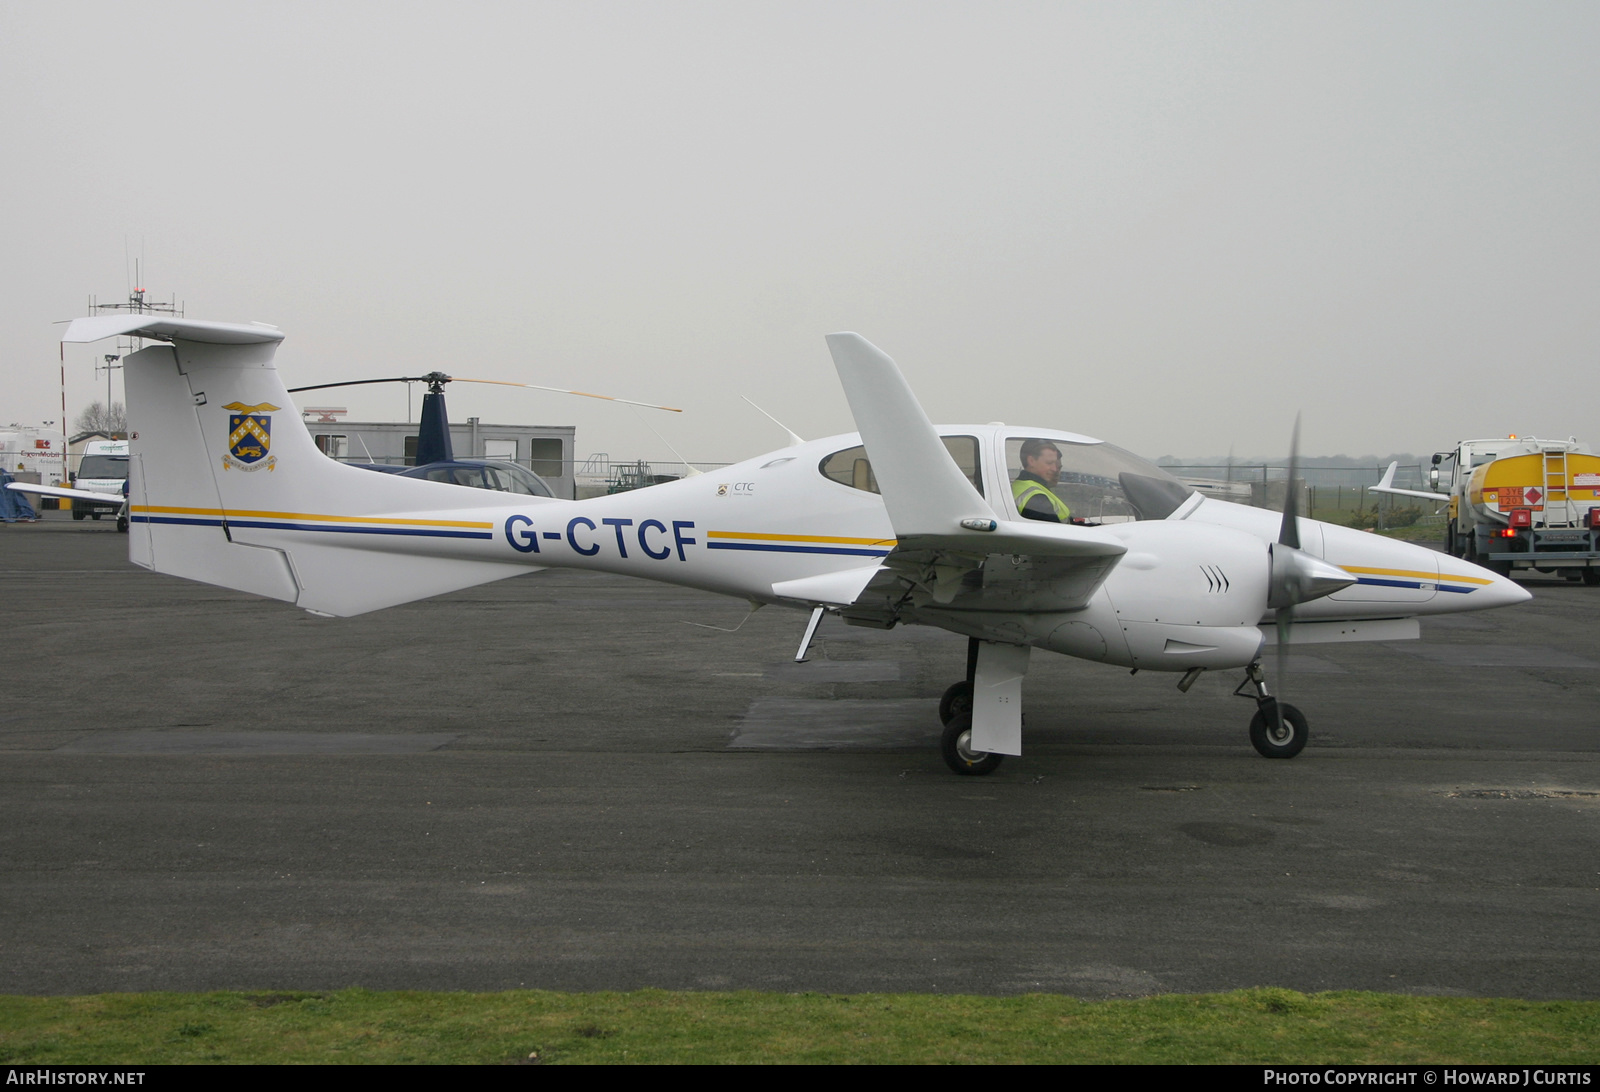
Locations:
1097 482
1102 483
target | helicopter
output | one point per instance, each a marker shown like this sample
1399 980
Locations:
435 458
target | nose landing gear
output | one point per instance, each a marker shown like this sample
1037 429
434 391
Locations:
1278 730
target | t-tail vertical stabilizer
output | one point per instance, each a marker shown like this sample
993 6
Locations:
227 487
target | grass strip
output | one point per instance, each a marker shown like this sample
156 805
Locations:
659 1026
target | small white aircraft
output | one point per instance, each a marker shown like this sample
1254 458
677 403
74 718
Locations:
904 522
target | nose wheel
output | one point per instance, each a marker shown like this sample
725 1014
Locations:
1278 730
1278 735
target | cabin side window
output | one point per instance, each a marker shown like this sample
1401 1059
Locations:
852 467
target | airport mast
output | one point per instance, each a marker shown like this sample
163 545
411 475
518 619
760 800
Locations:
136 304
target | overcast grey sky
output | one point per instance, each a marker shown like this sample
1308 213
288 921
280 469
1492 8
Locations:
1168 225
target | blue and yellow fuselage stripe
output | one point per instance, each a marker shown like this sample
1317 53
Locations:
1414 579
798 544
311 521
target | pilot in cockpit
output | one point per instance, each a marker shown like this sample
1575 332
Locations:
1041 466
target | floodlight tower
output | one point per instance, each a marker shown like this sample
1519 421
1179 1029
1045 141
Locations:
136 304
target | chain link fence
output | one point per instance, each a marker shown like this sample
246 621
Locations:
1333 494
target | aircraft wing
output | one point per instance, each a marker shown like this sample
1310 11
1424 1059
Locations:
1017 537
69 494
1387 486
932 505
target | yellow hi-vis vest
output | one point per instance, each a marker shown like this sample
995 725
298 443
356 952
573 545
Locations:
1024 490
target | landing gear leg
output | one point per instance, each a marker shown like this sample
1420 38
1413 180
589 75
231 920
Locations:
1278 730
976 737
958 698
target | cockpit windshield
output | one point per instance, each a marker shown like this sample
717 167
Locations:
1060 481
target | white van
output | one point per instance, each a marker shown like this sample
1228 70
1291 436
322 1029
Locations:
102 468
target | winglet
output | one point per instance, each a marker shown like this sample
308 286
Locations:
1387 486
923 488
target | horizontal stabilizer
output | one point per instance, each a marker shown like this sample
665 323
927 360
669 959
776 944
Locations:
69 494
837 588
167 328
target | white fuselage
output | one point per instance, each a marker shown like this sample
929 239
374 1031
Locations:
1189 591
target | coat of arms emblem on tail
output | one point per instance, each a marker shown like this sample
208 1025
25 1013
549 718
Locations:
249 437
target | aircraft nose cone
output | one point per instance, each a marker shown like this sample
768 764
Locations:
1489 589
1504 592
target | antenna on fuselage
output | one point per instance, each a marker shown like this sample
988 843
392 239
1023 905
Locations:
794 437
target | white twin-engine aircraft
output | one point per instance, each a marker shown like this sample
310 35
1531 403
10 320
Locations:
904 523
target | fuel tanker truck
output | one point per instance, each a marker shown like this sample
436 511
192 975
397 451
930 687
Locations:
1518 503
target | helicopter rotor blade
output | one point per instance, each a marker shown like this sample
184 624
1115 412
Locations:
362 382
437 380
562 390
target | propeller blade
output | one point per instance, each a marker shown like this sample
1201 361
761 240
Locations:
1289 532
1296 576
1285 623
580 394
1293 579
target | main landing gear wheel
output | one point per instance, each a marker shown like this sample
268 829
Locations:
957 701
122 524
956 746
1274 740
